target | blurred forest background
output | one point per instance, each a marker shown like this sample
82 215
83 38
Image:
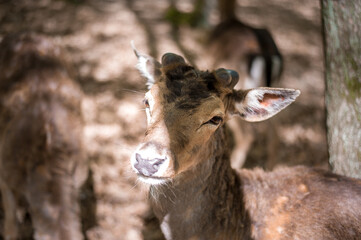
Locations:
96 37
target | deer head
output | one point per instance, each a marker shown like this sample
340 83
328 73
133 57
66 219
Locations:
186 107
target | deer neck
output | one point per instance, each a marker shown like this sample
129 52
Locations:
198 203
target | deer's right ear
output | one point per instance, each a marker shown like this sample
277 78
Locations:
259 104
147 66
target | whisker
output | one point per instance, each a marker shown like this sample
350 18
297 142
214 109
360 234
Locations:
131 90
135 185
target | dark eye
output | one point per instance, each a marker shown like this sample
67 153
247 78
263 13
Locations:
216 120
146 103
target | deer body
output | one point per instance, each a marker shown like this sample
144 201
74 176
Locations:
194 191
42 163
216 202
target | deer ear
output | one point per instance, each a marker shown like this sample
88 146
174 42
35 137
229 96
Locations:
147 66
259 104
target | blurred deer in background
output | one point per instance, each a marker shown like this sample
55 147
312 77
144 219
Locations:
254 54
194 191
42 163
250 50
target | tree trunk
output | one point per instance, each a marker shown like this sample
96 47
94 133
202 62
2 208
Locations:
227 9
342 36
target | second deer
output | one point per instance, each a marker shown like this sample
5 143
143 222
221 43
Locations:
253 53
42 161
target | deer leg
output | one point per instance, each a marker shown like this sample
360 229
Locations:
9 204
273 142
55 213
243 139
43 211
70 211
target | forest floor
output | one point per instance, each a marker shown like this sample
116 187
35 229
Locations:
96 36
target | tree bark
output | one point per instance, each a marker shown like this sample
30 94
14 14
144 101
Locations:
342 38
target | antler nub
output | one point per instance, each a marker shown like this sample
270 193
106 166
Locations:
170 58
228 78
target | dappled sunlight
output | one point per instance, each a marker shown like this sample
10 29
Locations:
96 36
292 134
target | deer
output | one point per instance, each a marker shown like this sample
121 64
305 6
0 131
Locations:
252 51
194 191
42 161
254 54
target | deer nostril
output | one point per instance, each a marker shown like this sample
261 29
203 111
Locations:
158 162
147 167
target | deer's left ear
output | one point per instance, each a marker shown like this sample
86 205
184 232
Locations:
259 104
147 66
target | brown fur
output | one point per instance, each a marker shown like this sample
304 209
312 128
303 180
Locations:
41 153
202 197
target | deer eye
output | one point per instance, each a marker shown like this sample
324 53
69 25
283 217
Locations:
216 120
146 103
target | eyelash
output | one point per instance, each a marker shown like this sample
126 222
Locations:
216 120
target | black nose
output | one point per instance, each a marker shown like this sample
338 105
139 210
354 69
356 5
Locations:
147 167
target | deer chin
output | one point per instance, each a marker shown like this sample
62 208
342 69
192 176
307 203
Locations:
157 179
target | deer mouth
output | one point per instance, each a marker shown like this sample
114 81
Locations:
152 180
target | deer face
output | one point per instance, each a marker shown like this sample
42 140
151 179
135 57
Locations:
185 107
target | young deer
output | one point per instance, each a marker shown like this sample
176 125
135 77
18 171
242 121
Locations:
196 194
42 163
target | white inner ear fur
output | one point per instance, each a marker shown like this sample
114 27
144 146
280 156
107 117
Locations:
251 101
252 110
143 62
142 67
